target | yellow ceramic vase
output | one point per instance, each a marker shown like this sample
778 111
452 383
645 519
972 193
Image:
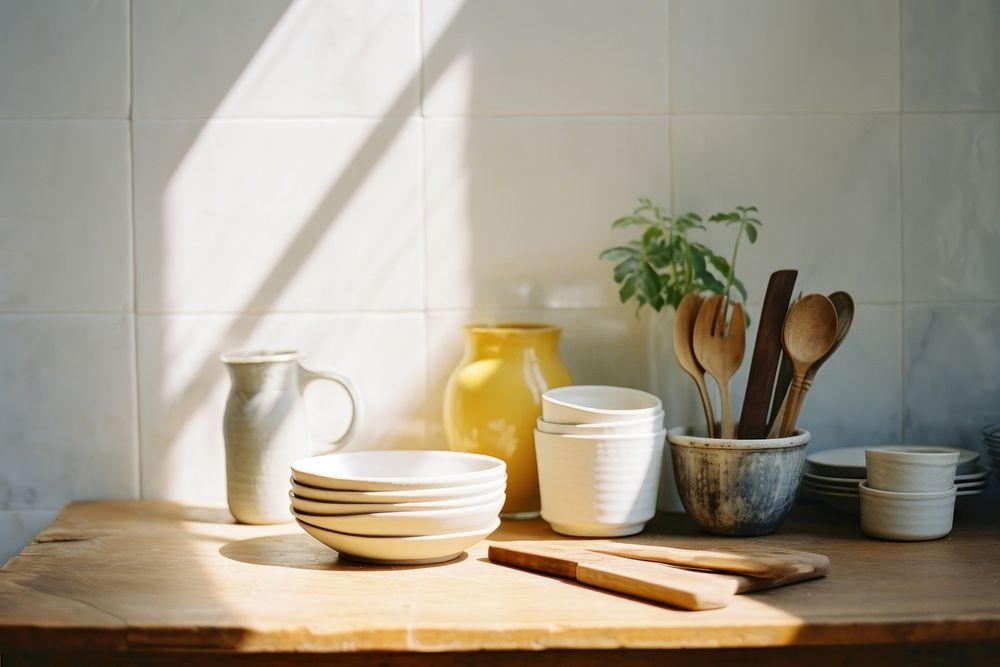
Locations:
494 397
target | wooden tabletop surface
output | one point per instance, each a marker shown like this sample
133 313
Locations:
149 575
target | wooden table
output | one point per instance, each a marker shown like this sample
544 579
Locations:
155 583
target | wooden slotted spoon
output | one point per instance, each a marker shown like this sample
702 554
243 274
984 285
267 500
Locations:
687 313
720 351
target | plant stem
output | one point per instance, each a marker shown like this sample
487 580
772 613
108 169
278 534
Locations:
736 249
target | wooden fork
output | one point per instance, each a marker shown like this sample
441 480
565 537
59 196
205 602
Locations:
719 347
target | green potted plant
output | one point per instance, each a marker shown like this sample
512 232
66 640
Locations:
662 265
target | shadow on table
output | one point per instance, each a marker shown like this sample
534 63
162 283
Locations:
303 552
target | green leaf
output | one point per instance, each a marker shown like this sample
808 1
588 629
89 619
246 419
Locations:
712 284
651 287
751 233
618 252
738 284
651 234
660 255
628 267
720 264
628 289
630 221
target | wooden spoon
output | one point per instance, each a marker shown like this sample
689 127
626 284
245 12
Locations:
720 352
844 305
809 334
687 312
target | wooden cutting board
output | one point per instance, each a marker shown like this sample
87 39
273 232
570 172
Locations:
660 581
763 562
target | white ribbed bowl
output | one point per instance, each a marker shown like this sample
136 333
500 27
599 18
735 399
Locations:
408 524
890 515
913 470
397 470
326 508
592 404
598 485
406 496
400 550
633 426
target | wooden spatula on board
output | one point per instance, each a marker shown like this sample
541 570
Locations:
634 574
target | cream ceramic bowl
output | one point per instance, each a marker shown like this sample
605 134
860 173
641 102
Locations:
397 470
340 509
408 524
918 470
405 496
418 550
644 425
592 404
890 515
598 485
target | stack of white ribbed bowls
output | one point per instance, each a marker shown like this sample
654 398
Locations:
599 452
399 507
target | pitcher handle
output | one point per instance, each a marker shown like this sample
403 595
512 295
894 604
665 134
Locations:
309 375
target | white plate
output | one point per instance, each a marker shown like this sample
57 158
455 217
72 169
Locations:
407 496
397 470
400 550
408 524
849 462
980 472
338 509
849 482
829 488
851 502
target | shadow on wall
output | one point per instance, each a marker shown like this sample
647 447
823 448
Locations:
308 195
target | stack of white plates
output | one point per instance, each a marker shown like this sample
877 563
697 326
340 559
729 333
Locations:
833 475
399 507
991 438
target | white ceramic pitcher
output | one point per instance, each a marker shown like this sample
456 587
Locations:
265 429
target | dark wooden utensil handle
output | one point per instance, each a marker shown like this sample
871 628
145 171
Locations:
766 352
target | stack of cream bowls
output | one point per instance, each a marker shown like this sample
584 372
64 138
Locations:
398 507
599 451
833 475
909 493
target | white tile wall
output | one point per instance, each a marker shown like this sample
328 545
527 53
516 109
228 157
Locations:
276 58
67 418
950 53
785 55
64 59
951 181
827 188
288 191
510 198
545 56
65 216
256 216
951 372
